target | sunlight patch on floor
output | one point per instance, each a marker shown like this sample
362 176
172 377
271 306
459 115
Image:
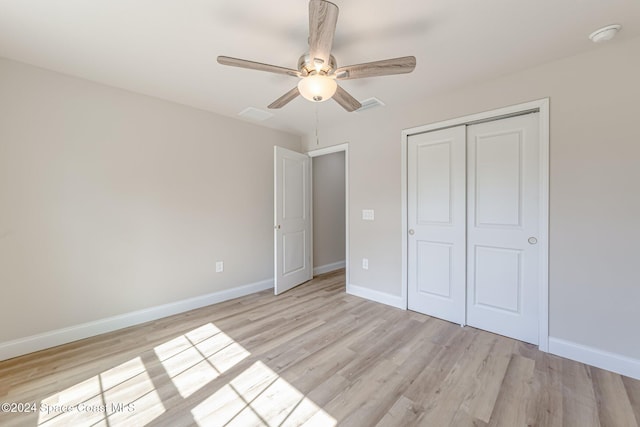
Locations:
195 359
122 395
259 396
126 394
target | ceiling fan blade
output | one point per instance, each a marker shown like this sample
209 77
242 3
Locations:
285 99
386 67
243 63
323 16
347 101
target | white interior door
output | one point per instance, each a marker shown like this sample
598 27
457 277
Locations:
292 216
503 225
436 223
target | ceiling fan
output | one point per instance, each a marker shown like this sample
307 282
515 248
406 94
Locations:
318 69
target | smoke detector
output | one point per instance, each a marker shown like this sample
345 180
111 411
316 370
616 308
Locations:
605 33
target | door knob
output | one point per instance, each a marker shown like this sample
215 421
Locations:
532 240
411 231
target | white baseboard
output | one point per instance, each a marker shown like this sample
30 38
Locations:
21 346
377 296
613 362
329 267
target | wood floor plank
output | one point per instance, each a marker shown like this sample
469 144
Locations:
313 356
579 407
545 409
418 342
404 412
353 404
478 405
614 407
461 386
428 382
633 393
511 405
390 388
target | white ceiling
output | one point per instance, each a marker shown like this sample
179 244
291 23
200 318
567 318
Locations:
168 48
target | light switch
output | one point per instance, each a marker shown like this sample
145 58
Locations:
365 263
367 214
219 266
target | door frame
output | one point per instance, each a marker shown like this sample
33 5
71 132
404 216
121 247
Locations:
321 152
542 107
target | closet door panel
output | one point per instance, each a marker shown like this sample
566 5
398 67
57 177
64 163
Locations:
436 220
502 226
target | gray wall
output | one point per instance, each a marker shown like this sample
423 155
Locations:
595 186
328 209
112 202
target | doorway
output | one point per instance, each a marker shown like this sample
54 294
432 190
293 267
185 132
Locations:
293 216
330 160
328 212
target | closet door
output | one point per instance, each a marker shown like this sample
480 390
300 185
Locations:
436 223
502 226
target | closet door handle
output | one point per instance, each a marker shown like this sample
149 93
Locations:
411 231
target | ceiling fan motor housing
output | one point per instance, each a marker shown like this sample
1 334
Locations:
308 65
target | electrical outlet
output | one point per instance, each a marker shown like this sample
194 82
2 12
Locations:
365 263
219 266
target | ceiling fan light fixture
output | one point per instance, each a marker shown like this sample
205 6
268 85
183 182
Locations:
317 87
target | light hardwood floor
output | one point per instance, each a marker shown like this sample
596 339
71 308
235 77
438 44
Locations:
314 355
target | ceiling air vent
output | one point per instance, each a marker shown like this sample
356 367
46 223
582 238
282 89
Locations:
255 114
370 103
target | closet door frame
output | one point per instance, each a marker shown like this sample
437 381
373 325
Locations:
542 107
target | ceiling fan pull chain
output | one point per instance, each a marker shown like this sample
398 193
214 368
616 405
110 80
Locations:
317 132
